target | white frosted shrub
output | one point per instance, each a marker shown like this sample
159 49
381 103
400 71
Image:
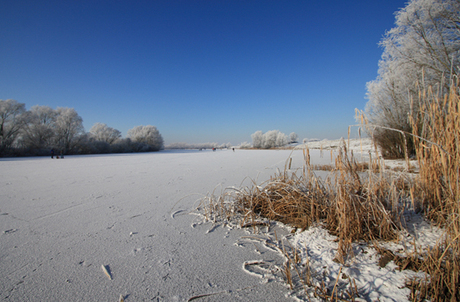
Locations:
270 139
146 138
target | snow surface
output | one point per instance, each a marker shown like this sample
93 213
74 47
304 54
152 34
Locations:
63 222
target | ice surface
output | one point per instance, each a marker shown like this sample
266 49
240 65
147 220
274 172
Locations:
61 220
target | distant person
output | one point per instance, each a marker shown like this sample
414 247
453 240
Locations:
52 153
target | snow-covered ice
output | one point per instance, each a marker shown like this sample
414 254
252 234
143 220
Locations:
92 228
62 219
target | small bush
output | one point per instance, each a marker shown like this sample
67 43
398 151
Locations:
393 145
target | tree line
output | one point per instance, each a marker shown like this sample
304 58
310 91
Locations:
42 128
272 139
200 146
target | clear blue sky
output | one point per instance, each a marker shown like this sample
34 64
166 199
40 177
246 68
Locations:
198 70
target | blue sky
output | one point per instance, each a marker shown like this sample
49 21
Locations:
198 70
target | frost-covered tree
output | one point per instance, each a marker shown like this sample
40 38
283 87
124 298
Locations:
13 117
422 50
183 145
257 139
293 138
103 133
39 131
281 139
147 138
244 145
270 139
121 145
88 145
226 145
69 129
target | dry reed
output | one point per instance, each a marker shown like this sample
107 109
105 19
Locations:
353 203
437 138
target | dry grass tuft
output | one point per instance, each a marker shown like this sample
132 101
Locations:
353 204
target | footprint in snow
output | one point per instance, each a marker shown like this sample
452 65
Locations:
9 231
175 213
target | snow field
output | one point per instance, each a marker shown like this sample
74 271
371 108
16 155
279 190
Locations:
62 220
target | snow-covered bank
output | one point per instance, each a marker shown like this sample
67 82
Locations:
364 145
374 281
362 148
